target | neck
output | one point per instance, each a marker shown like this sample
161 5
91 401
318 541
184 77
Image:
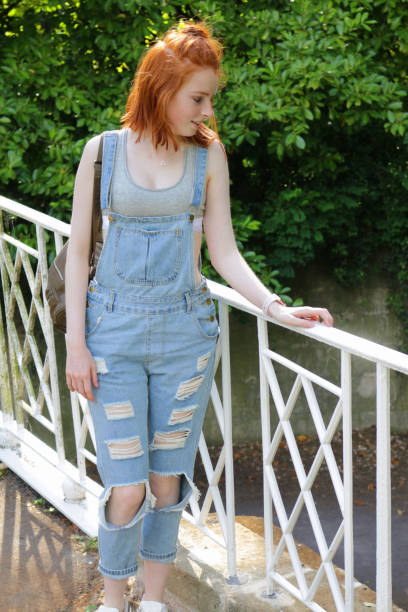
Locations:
146 140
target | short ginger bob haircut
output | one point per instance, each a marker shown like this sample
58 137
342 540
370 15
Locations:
162 70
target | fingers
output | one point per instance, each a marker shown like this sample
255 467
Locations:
295 321
94 375
88 390
304 316
323 315
327 319
82 384
316 314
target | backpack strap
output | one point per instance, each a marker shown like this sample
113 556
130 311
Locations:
96 235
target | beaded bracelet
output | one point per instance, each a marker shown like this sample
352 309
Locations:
268 301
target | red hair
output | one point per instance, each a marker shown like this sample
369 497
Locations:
161 72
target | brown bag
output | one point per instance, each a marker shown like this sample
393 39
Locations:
55 291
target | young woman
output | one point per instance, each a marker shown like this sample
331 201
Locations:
143 354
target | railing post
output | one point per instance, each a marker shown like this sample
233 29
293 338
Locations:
11 361
263 344
49 339
5 387
229 459
346 394
383 582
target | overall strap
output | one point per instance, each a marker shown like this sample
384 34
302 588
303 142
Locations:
201 167
108 159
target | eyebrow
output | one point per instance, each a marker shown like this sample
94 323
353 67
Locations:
204 93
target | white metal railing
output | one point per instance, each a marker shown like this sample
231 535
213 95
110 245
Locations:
70 489
349 345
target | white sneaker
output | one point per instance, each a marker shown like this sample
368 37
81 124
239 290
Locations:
152 606
106 609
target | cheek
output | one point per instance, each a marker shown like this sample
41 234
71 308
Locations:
176 114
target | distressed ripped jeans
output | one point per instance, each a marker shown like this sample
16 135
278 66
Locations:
155 363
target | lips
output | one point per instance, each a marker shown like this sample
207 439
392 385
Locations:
196 123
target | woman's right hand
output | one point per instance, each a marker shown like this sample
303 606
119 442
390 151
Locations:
300 316
80 370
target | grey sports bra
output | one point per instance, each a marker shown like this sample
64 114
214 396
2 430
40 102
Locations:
130 199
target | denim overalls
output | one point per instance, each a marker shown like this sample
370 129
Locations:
152 334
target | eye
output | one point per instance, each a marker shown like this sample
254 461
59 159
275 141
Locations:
198 100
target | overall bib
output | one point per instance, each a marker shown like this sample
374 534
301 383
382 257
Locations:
152 334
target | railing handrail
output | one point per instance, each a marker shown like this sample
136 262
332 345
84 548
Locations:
35 216
356 345
353 344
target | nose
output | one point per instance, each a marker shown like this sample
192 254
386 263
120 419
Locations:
208 109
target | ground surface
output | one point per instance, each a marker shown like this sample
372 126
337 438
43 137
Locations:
48 565
249 500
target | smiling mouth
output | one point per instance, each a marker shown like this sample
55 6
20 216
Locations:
196 123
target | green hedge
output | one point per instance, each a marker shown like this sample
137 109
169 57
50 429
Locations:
313 115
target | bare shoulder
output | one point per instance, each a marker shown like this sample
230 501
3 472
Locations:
91 147
217 164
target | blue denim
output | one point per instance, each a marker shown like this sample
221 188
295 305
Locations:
152 334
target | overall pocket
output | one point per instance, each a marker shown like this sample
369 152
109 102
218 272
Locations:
204 316
94 314
148 257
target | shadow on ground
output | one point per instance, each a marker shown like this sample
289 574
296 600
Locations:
249 499
48 564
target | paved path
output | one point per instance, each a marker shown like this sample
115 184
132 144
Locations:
44 562
47 565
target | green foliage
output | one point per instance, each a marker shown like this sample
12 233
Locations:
88 544
245 227
313 115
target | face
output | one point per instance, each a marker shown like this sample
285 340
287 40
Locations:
192 104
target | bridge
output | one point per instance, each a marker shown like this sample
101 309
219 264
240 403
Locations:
31 380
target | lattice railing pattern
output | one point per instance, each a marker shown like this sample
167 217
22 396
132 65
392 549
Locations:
305 380
29 385
29 368
35 390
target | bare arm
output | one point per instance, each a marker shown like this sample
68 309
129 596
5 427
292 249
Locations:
80 369
224 253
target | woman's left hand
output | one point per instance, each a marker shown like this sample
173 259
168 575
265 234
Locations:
300 316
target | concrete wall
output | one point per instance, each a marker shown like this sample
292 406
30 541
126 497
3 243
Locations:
361 311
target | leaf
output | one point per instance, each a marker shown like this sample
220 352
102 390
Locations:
400 512
358 503
300 143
